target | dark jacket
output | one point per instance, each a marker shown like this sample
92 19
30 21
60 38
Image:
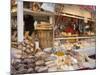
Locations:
29 23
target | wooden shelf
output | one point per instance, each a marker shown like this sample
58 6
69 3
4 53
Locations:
45 13
34 13
43 28
74 38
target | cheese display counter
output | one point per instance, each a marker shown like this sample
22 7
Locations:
63 57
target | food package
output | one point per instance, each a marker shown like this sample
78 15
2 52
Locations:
68 60
36 6
52 69
59 53
48 7
48 50
64 67
90 64
74 61
15 61
20 46
22 70
31 65
39 53
42 55
17 56
80 57
52 65
42 69
28 46
30 70
63 33
24 48
27 60
37 68
75 67
39 62
27 51
51 58
71 68
49 62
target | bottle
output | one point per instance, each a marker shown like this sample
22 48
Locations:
36 43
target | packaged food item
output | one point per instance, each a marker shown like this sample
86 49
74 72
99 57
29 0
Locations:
51 58
71 68
20 46
42 69
52 65
39 62
52 69
59 53
47 50
49 62
37 68
24 48
68 60
36 7
64 67
18 56
74 61
40 53
30 70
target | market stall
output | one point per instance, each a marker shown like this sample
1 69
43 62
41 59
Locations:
49 37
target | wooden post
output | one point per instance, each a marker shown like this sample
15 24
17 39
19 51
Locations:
20 23
51 19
